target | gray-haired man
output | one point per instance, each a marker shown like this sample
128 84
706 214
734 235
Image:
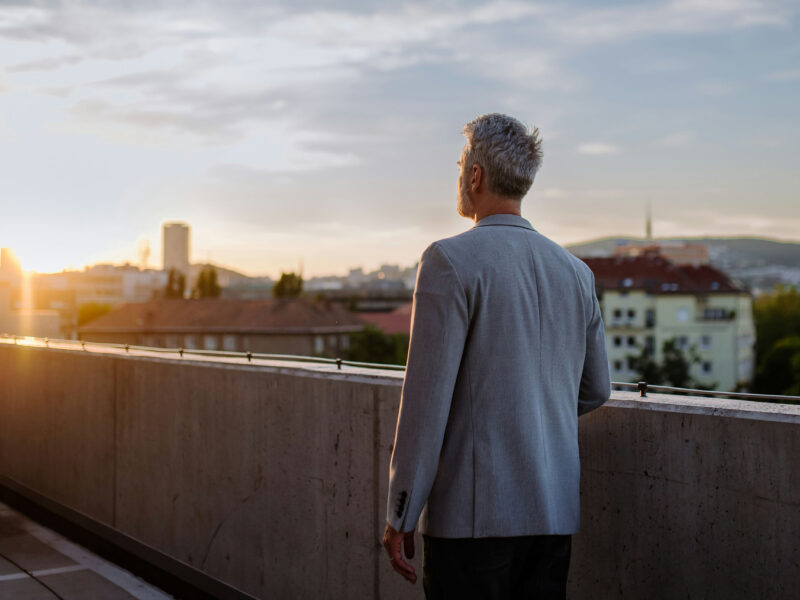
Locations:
507 349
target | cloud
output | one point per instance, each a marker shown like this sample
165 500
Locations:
786 75
47 64
677 139
716 88
597 148
555 193
604 25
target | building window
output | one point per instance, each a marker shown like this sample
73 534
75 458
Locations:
631 363
229 343
617 313
632 341
170 341
705 342
631 313
210 342
650 318
332 339
617 341
617 365
319 344
715 314
707 367
344 342
190 342
682 342
683 315
650 345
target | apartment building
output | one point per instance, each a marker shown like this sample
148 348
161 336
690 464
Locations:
647 300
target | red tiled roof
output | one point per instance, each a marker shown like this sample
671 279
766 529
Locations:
397 321
658 275
277 315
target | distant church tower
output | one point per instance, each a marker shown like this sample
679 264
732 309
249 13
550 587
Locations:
649 224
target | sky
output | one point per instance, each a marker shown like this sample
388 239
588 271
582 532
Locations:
326 133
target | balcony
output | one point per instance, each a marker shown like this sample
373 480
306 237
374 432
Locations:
267 478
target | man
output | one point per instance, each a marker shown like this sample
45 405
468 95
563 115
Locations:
507 350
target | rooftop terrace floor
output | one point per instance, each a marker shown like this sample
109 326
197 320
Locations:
38 564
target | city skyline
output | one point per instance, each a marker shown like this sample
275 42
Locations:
280 140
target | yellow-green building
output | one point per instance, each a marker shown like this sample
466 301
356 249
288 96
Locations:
647 300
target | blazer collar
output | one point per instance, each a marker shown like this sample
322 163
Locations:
504 219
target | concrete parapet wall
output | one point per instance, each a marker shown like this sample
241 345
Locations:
273 478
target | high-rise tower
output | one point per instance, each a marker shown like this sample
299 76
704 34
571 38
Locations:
176 247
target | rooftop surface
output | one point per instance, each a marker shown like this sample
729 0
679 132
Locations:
656 274
38 564
279 315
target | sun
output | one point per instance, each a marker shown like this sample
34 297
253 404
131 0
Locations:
35 257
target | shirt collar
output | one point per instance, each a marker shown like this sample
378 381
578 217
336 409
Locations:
505 219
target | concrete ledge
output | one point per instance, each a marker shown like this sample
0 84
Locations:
271 476
701 405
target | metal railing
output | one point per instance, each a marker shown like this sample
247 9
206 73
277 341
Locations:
642 386
181 352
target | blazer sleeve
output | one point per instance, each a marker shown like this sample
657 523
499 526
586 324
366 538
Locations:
595 387
439 325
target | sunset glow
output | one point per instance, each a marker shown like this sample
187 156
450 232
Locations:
290 135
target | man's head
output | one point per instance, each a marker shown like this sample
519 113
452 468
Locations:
498 163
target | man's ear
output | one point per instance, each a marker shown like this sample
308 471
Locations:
477 177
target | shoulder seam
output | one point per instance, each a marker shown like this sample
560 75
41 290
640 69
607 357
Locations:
452 266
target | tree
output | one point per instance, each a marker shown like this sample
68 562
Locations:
779 369
176 284
372 345
206 285
776 316
777 320
674 370
289 285
676 365
89 311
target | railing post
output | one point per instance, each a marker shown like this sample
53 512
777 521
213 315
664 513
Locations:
643 389
249 356
339 363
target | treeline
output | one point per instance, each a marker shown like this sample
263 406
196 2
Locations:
777 320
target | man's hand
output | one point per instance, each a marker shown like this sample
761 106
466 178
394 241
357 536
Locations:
395 542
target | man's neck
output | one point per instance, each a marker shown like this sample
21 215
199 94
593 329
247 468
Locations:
501 206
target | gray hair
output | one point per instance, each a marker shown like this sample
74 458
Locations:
508 151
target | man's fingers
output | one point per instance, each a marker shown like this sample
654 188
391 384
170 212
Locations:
394 543
402 567
412 577
408 543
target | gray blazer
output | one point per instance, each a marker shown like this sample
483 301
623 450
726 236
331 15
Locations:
507 349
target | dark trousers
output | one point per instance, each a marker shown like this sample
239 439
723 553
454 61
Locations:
504 568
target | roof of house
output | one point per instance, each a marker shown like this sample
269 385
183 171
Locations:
657 275
276 315
396 321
